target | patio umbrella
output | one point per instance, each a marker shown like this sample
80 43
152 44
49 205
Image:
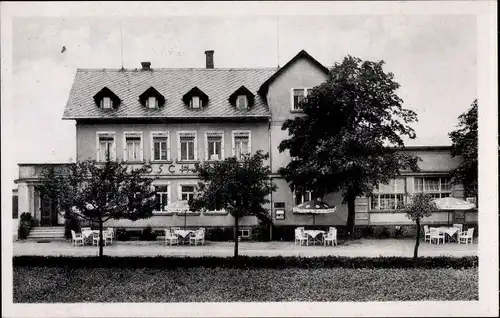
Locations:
452 204
314 207
179 207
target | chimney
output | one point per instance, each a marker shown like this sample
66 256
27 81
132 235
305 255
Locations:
146 66
210 58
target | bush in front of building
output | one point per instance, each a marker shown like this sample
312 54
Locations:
275 262
219 234
122 235
148 234
25 224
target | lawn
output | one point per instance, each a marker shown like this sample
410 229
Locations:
199 284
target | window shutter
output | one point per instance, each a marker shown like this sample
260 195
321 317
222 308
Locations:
141 148
112 156
206 146
222 147
98 148
233 144
249 143
195 147
152 147
168 152
179 156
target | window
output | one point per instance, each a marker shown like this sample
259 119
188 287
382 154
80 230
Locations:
187 146
214 149
244 233
105 146
298 96
133 146
242 102
195 102
152 102
187 192
241 144
162 197
300 197
106 103
391 196
160 149
279 205
436 187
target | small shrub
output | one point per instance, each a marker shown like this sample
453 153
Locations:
220 234
24 225
148 234
381 232
122 235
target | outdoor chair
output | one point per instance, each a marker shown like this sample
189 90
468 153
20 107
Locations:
96 238
465 236
427 233
170 238
198 237
331 236
300 237
108 236
436 235
111 231
460 226
77 238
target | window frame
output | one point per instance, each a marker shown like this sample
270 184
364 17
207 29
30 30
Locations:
214 132
233 141
433 193
245 99
112 154
169 195
240 234
102 103
394 196
294 197
292 100
148 102
165 134
125 146
192 103
185 184
195 147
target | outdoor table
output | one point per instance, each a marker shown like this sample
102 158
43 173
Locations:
184 234
313 234
450 231
87 235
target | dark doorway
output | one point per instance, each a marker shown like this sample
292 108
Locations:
48 212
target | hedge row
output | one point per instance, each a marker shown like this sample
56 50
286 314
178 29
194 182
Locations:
245 262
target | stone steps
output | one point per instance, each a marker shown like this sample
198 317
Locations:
53 233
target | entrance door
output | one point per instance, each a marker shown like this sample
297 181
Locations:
48 212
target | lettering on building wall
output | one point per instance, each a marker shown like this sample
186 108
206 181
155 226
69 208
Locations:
173 169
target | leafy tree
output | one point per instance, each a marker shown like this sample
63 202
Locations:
464 144
345 141
421 205
98 192
239 187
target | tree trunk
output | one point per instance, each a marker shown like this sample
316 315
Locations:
236 236
417 243
101 239
351 211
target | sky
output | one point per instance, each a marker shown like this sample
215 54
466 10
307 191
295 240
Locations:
432 57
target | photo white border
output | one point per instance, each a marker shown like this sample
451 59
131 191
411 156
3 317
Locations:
486 13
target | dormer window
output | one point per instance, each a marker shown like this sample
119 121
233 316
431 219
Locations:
242 98
106 103
106 99
242 102
195 102
152 99
195 98
152 102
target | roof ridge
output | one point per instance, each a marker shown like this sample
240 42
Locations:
176 69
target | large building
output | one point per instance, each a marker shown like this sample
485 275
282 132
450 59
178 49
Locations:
176 118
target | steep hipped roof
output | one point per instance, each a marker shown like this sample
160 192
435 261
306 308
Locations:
302 54
128 85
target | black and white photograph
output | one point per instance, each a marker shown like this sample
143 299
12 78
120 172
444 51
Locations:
249 159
